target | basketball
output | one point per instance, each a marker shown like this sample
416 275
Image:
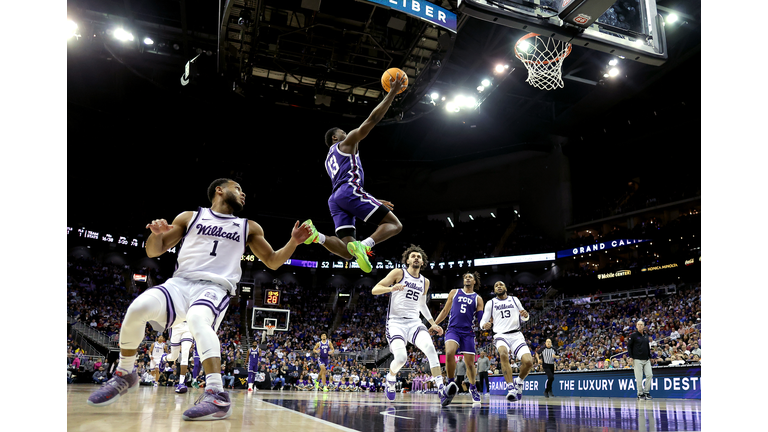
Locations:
391 74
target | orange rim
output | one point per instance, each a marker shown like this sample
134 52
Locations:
545 62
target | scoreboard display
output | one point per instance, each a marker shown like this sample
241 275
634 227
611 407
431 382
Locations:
272 297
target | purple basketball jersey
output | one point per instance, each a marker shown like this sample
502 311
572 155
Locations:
344 168
463 311
324 348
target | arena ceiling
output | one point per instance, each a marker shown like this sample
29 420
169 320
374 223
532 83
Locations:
286 70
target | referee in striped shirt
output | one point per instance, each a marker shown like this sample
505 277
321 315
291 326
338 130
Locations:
549 356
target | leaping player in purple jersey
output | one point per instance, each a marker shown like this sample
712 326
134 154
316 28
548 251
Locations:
463 306
348 198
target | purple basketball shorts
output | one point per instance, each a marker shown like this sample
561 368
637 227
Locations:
465 339
348 203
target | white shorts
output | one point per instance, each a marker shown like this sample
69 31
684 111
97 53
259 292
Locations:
514 342
405 329
181 294
154 363
180 333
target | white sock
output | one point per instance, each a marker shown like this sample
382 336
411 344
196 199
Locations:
125 365
250 385
391 377
518 380
368 242
213 382
439 381
320 238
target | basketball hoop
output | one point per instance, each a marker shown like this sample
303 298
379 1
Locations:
270 330
543 57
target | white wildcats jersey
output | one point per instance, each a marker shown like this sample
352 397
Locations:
506 314
158 349
405 303
212 248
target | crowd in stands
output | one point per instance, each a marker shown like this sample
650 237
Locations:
589 336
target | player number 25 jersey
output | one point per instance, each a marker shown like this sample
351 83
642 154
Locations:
212 248
405 303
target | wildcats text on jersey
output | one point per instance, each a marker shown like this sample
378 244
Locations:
214 231
503 306
412 285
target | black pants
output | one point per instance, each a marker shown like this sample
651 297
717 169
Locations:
550 370
485 383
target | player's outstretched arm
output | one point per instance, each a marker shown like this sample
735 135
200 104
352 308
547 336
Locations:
262 249
436 329
387 285
349 145
447 308
166 236
484 323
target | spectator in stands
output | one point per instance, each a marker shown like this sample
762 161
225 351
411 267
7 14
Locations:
696 351
99 377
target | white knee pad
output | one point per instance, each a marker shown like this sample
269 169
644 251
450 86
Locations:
200 322
401 355
149 306
185 347
424 343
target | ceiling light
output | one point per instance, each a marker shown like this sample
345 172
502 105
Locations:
605 75
470 102
122 35
493 215
671 18
148 41
71 28
613 62
471 218
434 96
480 88
499 68
524 46
485 83
613 72
452 107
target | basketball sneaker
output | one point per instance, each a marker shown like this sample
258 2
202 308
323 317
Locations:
313 237
210 406
475 394
444 398
360 252
181 388
648 396
450 390
518 388
111 390
511 392
390 391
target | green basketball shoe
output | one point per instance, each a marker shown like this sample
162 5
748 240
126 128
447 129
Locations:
312 238
360 252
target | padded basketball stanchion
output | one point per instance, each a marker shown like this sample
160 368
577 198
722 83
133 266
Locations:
543 57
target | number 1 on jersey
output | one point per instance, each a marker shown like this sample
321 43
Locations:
215 245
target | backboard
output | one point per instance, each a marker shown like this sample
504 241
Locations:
280 318
631 29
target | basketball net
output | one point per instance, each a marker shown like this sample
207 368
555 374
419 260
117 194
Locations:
543 57
270 330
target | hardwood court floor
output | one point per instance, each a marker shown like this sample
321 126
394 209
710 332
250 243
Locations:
159 409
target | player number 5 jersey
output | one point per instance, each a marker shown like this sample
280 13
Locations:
212 248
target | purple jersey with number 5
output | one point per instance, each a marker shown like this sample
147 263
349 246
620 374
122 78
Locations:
463 311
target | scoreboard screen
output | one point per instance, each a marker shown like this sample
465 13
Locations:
272 297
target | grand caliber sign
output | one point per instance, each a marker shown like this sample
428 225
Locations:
423 10
598 247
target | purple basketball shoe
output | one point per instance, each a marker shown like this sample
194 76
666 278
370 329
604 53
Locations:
210 406
111 390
